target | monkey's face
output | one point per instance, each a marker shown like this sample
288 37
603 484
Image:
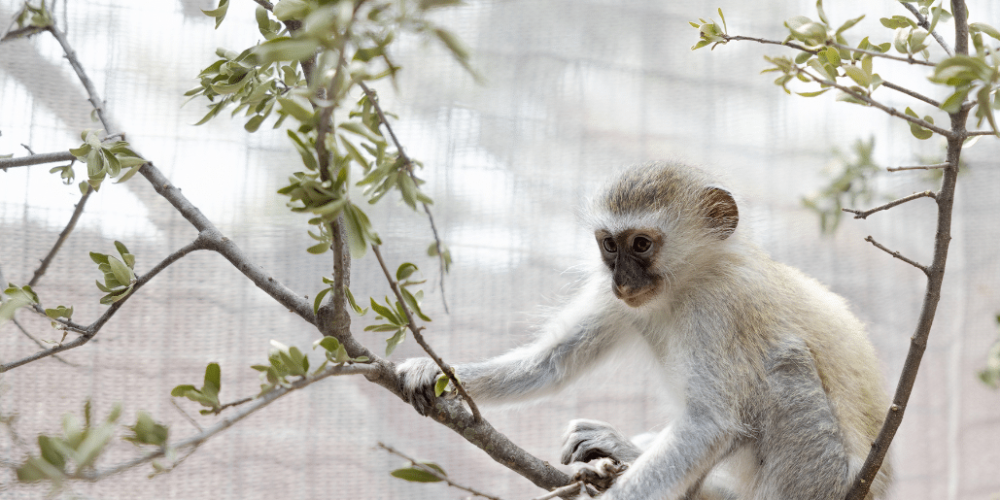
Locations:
631 256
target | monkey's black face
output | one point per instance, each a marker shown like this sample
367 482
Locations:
630 256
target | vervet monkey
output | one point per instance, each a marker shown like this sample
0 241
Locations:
778 386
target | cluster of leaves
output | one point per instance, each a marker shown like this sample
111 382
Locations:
991 374
119 275
32 16
977 75
393 312
850 184
417 474
289 361
80 445
14 298
208 395
825 56
103 159
343 43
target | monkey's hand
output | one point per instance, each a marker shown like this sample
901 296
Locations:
417 377
598 475
586 440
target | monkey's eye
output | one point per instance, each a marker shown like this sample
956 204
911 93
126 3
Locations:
609 245
641 243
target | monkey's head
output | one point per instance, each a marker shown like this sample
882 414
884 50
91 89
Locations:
657 223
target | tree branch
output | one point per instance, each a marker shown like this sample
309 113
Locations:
568 491
858 214
264 3
373 98
980 132
63 236
39 343
27 161
868 100
434 472
198 439
740 38
923 23
412 324
935 277
896 254
89 332
911 93
908 59
919 167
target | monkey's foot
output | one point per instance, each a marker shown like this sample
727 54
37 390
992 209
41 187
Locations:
598 475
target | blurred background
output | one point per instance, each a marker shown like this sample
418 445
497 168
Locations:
573 91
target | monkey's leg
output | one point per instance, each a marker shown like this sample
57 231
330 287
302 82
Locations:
801 449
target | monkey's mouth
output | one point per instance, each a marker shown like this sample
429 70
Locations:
637 298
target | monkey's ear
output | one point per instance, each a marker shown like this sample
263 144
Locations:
723 216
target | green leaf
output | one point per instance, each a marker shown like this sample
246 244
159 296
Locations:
213 380
286 49
441 385
405 270
413 474
291 9
253 123
330 344
394 341
954 102
319 248
386 313
833 56
724 27
147 431
219 13
319 299
849 24
985 28
813 94
353 303
858 75
122 273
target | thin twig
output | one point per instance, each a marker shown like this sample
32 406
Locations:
39 343
434 472
92 93
739 38
373 98
88 332
980 132
909 59
63 236
412 324
863 214
234 403
193 422
896 254
923 23
911 93
919 167
28 149
27 161
566 491
22 32
876 104
197 439
264 3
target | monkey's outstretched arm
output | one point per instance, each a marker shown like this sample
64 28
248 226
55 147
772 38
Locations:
679 459
578 336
